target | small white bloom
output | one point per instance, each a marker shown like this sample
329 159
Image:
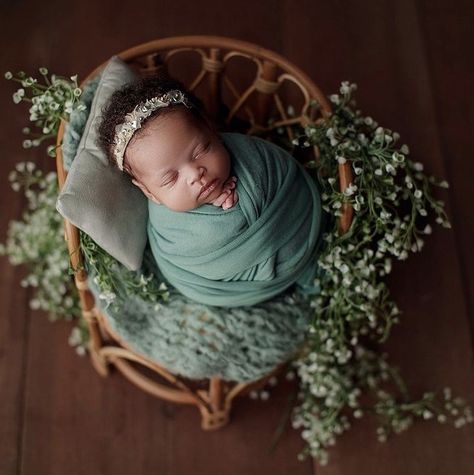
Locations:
17 96
35 304
427 229
345 89
418 194
378 171
341 160
264 395
442 419
290 376
418 166
427 414
444 184
8 75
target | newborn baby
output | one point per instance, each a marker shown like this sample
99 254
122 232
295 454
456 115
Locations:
233 219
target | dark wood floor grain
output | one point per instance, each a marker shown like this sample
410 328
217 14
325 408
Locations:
414 67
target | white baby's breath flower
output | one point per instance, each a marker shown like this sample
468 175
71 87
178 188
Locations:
264 395
107 296
18 95
345 88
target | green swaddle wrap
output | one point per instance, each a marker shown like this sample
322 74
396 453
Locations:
253 251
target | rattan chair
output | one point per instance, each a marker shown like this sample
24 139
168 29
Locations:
214 68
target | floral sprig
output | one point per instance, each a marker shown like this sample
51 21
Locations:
50 102
391 198
105 270
38 241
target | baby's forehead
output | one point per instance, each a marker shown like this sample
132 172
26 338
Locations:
165 139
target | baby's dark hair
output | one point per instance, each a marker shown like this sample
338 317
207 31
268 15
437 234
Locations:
125 99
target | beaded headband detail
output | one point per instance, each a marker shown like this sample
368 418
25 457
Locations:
133 120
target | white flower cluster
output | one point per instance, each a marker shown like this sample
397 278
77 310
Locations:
354 305
38 241
50 102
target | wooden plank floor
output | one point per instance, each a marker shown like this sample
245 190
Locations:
414 69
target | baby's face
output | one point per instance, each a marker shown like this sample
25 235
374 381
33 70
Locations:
174 158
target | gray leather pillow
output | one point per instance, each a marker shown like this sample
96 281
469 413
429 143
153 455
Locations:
99 199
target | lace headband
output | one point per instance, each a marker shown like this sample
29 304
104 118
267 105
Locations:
134 119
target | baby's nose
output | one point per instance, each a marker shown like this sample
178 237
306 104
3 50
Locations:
195 174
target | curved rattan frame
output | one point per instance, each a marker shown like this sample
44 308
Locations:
106 347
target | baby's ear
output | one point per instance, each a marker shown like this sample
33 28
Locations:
145 191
